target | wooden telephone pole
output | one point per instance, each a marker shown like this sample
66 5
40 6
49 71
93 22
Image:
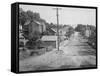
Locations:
57 14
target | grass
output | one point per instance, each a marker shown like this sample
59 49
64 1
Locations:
67 67
88 52
23 55
86 64
34 52
43 67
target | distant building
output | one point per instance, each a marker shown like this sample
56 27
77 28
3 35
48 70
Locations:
87 31
64 30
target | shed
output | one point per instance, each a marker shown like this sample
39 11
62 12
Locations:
50 40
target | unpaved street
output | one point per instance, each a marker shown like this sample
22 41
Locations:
75 53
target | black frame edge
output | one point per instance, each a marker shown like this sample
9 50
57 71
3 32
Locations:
57 5
97 37
14 60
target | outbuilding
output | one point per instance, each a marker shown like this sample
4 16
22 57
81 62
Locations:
50 41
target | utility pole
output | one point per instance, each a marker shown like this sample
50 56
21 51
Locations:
57 14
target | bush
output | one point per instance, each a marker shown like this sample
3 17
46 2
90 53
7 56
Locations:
92 39
30 45
92 42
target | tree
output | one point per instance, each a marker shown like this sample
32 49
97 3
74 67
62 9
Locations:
23 17
92 37
69 32
81 28
34 40
33 16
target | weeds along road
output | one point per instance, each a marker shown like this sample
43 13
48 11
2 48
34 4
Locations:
75 53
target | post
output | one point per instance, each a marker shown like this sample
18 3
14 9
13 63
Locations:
57 26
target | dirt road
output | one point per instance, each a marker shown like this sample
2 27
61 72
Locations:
75 53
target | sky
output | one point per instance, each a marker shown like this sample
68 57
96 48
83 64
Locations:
72 16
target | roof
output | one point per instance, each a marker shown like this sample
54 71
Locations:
49 38
28 22
55 30
39 23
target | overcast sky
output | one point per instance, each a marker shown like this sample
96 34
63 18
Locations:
67 15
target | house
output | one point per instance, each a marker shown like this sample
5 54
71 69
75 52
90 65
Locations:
20 28
87 31
37 26
49 41
20 31
62 30
34 26
22 39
